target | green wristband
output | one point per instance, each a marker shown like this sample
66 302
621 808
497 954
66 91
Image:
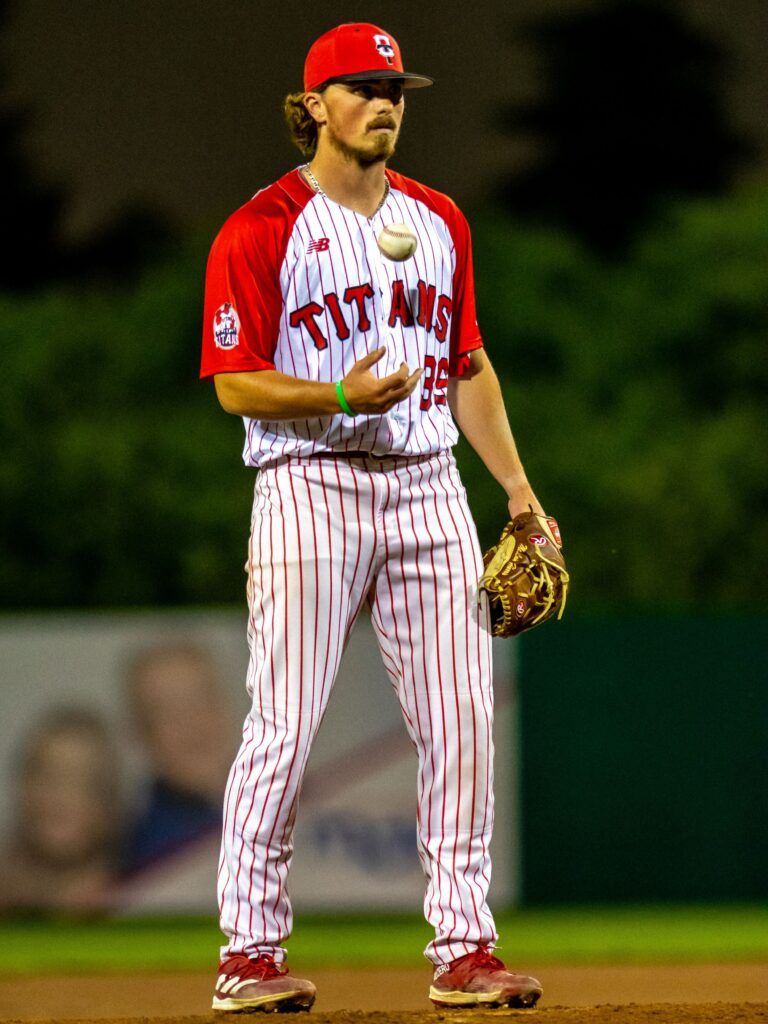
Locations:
345 406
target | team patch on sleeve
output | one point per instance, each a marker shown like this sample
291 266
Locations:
226 326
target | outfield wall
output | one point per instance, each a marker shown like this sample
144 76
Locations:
642 747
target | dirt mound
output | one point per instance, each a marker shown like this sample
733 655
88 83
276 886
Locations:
633 1013
573 994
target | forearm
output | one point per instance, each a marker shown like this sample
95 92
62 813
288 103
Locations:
477 406
271 395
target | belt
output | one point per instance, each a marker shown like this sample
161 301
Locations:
370 455
354 456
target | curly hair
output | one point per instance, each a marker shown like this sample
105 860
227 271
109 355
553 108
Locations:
301 126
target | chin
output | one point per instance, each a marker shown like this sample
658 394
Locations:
382 149
371 151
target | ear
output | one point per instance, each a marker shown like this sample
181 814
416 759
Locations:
313 101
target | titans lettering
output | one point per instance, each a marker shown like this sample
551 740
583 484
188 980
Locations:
352 310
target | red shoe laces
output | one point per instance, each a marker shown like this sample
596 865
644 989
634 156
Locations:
483 957
270 968
262 966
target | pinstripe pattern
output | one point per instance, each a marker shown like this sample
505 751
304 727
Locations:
353 258
332 532
329 535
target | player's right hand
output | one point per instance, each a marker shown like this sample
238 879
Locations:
369 394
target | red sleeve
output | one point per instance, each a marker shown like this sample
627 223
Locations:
243 302
465 334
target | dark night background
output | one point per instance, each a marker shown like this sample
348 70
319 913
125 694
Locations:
179 103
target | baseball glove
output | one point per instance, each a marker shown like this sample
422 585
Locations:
525 575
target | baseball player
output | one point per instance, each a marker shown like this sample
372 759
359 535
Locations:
340 325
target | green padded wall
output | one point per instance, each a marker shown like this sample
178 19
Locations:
644 760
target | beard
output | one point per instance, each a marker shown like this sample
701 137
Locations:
378 148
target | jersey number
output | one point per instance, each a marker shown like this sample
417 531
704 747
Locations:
435 382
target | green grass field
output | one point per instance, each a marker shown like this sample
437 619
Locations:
586 935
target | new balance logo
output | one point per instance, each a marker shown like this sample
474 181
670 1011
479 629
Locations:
318 245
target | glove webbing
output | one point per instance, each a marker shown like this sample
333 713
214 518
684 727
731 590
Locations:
542 586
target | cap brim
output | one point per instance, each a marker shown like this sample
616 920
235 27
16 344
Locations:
410 81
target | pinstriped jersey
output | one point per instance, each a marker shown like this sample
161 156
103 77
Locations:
296 282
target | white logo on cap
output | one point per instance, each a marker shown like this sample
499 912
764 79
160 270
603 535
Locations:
385 47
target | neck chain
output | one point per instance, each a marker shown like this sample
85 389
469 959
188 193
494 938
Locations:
316 186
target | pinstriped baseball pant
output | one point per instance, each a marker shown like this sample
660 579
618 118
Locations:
327 536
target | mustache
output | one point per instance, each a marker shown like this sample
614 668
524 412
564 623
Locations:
382 122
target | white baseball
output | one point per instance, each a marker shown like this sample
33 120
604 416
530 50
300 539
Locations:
398 242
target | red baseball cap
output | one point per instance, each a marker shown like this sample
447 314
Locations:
355 53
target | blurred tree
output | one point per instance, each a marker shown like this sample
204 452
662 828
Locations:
636 393
631 114
121 481
36 252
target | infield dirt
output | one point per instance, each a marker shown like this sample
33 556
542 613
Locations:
611 994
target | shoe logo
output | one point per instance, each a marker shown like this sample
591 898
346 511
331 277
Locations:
228 985
227 981
318 245
441 971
